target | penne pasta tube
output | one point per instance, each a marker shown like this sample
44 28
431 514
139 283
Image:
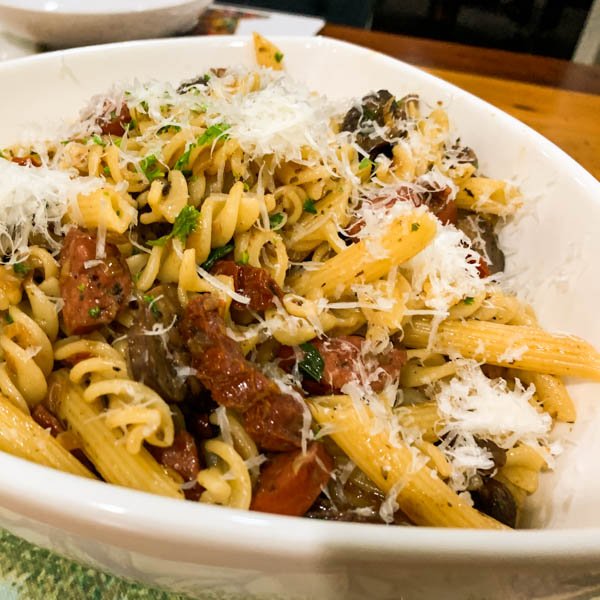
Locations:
516 346
422 495
102 445
406 237
21 436
552 394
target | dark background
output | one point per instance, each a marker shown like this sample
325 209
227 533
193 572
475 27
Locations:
544 27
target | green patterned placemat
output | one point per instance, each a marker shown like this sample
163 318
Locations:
31 573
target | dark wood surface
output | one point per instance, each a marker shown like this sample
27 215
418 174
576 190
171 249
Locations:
470 59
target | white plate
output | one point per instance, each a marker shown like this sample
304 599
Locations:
67 23
193 548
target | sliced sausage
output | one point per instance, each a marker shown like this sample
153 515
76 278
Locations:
342 358
114 122
274 420
181 456
252 282
290 483
275 423
45 419
94 295
32 160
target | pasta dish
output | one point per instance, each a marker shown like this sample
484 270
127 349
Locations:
235 291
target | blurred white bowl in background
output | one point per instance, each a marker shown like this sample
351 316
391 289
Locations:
68 23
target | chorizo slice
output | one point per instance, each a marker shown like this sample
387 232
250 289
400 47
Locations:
274 420
254 283
276 423
114 122
290 483
343 360
45 419
94 294
181 456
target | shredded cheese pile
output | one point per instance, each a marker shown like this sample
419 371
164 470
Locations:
472 406
33 201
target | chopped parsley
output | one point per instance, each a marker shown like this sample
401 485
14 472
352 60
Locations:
106 170
151 302
312 364
365 163
309 206
213 132
98 140
8 318
215 255
94 312
81 287
167 128
150 167
244 258
415 226
469 300
278 56
185 223
246 187
21 268
275 220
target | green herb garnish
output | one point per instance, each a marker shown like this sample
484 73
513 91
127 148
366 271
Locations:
94 312
365 163
167 128
469 300
8 318
185 223
415 226
98 140
150 167
106 170
275 220
309 206
215 255
278 56
151 302
21 268
312 364
213 132
244 258
81 287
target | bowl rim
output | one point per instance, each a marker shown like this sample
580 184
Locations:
107 511
76 8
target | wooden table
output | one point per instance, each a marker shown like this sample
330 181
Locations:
558 98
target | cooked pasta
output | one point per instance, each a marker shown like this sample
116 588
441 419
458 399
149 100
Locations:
241 293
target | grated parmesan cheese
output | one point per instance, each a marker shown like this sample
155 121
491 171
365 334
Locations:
33 201
472 406
446 270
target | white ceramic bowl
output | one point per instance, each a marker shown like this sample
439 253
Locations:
68 23
204 549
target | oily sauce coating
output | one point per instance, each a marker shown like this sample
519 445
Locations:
290 483
94 295
252 282
274 420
